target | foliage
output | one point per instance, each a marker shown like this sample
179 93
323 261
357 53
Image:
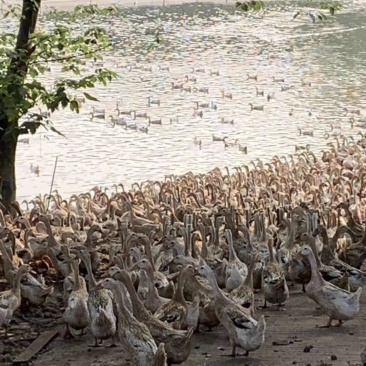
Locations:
73 41
250 5
333 7
319 15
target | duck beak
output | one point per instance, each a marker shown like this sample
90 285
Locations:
99 286
105 275
135 267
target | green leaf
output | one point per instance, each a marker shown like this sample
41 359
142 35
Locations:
53 129
90 97
74 106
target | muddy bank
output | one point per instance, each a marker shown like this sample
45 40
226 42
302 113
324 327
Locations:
292 338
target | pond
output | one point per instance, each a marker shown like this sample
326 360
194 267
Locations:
207 51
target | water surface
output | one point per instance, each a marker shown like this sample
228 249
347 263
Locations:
214 38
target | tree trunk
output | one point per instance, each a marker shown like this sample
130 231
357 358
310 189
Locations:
7 170
17 71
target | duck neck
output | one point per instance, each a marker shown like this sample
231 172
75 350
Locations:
21 272
139 309
316 277
75 267
147 247
26 223
270 248
124 315
150 276
215 287
249 279
7 261
87 262
51 238
179 296
232 255
311 241
89 236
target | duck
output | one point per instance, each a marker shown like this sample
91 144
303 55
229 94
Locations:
151 101
274 283
178 343
256 107
100 305
197 142
226 121
329 273
338 304
306 132
69 281
135 115
135 336
226 95
259 92
118 121
218 138
154 121
10 300
351 111
236 271
76 314
202 90
100 114
243 330
153 301
175 311
243 149
252 77
244 294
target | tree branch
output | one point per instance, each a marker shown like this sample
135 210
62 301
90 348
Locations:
23 48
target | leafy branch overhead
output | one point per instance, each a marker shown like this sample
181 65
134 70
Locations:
250 5
74 44
314 15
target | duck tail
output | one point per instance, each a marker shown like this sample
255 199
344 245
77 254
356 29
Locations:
190 332
261 325
357 294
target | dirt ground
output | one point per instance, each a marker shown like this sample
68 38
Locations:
292 338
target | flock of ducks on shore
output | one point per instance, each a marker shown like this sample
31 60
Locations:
148 267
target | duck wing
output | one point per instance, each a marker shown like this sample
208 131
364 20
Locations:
239 318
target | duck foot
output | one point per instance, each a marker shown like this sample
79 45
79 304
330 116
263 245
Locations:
234 354
328 325
68 333
281 307
339 324
303 289
82 332
95 344
113 344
